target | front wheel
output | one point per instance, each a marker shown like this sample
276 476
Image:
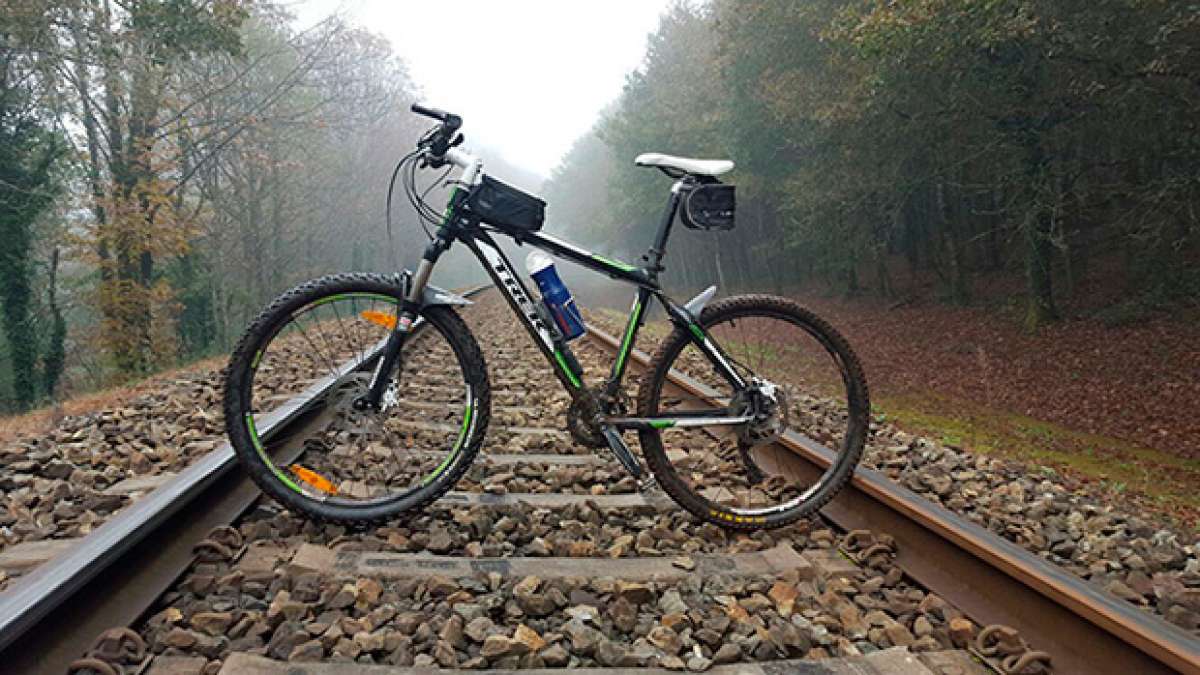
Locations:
798 376
310 357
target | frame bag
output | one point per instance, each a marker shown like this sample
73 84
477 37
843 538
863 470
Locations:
709 207
504 206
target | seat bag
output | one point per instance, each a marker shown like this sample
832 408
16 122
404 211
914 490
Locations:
709 206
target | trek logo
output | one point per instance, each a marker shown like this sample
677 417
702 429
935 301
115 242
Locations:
513 287
515 290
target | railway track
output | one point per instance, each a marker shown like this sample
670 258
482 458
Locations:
79 588
1077 628
545 557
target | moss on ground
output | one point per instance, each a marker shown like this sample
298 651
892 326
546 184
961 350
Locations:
1138 476
1154 479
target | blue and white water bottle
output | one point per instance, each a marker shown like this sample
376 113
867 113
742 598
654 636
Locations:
555 295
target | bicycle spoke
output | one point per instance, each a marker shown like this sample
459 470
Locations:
742 467
313 346
325 339
342 326
363 456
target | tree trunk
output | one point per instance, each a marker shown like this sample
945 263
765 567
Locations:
1038 257
1037 230
16 294
952 238
54 358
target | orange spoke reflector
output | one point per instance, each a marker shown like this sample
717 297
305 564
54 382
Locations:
314 479
382 318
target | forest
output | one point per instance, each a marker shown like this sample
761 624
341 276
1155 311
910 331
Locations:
168 166
959 150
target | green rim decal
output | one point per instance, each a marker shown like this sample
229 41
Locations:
627 343
328 299
662 424
257 359
624 267
697 332
562 363
258 446
462 436
347 296
344 296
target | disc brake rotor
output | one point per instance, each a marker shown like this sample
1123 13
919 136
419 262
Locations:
342 397
768 403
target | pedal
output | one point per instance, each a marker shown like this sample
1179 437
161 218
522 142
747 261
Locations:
649 488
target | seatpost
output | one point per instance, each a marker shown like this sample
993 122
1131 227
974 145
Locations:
655 255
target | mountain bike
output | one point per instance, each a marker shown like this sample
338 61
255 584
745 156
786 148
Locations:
407 399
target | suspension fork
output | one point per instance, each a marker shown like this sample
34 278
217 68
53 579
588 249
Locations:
410 307
452 222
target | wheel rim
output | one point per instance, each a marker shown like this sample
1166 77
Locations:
352 457
739 470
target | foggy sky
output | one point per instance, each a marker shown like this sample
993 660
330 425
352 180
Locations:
528 76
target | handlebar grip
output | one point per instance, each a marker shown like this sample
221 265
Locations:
439 115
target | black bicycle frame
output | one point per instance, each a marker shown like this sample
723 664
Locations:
479 239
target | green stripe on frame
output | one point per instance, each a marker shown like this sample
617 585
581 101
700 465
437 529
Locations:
624 267
627 343
449 212
562 363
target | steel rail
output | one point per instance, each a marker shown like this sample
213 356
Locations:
49 617
989 578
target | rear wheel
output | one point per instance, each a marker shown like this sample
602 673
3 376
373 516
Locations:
803 379
340 462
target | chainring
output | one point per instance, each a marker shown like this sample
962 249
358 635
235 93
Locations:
580 420
588 406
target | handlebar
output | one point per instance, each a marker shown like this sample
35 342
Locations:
442 138
450 121
439 115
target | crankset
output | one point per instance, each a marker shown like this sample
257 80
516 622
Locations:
583 416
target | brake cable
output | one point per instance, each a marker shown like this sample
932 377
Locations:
388 212
425 213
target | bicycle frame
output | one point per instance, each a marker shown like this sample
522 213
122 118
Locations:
519 298
459 226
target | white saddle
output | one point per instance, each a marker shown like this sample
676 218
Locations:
702 167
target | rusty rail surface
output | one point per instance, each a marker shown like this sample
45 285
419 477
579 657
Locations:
989 578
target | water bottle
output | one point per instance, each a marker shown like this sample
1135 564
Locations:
555 295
